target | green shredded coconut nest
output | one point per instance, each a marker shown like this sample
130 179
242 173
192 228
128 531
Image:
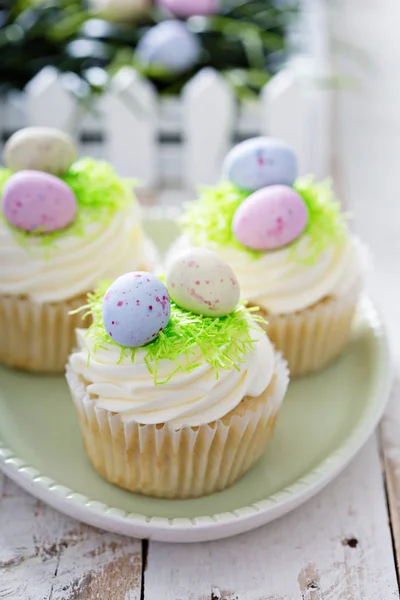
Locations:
100 193
208 220
224 342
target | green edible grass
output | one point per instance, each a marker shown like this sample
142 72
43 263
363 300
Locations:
208 220
224 342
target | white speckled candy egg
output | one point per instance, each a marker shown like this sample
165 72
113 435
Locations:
199 281
37 201
136 308
169 45
41 149
259 162
270 218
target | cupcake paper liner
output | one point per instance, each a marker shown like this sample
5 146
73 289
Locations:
38 337
312 338
158 460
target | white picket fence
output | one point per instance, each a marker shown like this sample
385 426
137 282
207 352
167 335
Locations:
179 143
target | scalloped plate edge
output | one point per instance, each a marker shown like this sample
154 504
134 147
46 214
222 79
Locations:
218 526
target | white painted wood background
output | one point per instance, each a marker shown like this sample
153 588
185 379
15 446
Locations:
339 545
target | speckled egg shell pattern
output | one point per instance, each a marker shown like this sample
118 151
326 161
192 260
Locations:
259 162
40 148
37 201
270 218
136 308
199 281
169 45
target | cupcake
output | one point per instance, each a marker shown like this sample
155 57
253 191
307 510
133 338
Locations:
290 247
176 387
66 224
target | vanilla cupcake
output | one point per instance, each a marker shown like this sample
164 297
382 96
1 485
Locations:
67 224
173 402
289 245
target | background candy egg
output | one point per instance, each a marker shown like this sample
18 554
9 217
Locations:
259 162
270 218
33 200
187 8
169 45
199 281
41 149
120 11
136 308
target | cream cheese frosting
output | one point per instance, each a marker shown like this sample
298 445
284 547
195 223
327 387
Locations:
189 398
76 263
280 283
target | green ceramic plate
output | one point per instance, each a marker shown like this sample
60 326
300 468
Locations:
324 421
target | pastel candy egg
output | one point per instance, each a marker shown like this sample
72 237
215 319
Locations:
199 281
40 149
270 218
187 8
169 45
136 308
120 11
37 201
259 162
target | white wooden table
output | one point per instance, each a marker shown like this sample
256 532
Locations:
345 543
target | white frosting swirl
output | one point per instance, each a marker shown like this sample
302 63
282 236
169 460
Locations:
190 399
75 264
280 284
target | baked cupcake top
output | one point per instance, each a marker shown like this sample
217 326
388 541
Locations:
183 351
285 237
66 222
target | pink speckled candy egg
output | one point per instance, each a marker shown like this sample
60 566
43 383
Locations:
136 308
187 8
270 218
37 201
199 281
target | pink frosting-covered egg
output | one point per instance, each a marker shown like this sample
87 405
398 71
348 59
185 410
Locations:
270 218
38 201
199 281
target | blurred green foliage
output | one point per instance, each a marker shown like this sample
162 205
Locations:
246 41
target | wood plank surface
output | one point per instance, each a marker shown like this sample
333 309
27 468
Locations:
390 429
367 159
47 556
337 546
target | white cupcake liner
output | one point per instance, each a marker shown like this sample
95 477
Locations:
38 336
312 338
159 460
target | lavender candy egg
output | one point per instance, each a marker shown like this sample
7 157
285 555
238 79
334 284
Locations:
169 45
41 149
136 308
259 162
187 8
37 201
270 218
199 281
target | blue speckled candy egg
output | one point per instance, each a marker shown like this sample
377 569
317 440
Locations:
136 308
259 162
169 45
